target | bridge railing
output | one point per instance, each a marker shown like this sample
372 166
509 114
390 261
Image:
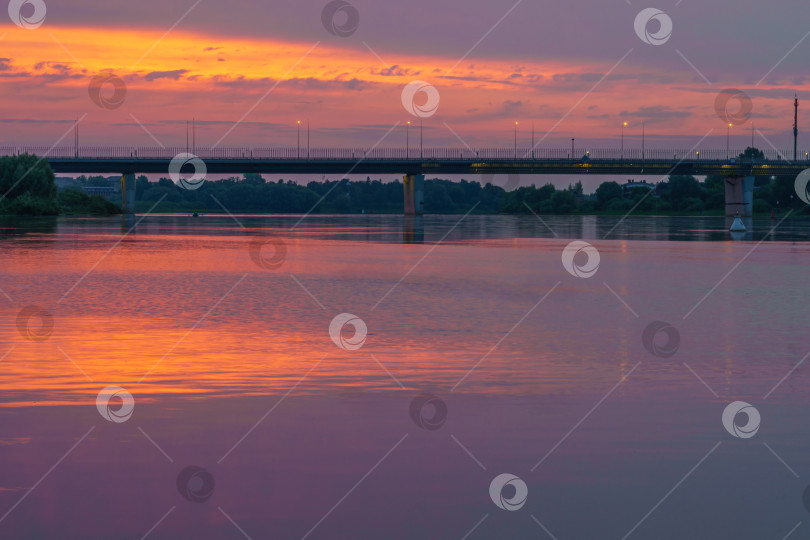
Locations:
431 153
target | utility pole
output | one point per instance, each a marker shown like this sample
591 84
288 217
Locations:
795 124
642 140
624 125
420 139
408 140
728 140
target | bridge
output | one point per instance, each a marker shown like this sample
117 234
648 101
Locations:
415 163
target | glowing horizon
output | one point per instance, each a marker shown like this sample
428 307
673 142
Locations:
251 91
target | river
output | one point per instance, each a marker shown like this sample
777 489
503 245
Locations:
375 377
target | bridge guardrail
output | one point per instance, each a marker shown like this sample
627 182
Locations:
433 153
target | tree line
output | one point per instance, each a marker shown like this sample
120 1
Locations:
27 186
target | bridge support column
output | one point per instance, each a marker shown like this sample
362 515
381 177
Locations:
128 193
740 195
414 191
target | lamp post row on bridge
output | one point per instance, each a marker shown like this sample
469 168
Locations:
191 144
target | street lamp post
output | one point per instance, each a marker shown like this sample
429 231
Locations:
407 140
298 146
728 141
516 125
643 133
307 138
624 125
572 148
421 139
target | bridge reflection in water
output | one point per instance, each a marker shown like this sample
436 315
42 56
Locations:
427 229
413 230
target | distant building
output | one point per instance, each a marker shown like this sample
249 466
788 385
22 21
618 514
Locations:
631 187
108 192
63 183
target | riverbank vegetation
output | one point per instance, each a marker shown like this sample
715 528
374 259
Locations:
681 195
28 188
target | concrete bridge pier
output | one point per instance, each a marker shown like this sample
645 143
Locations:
414 191
739 195
128 193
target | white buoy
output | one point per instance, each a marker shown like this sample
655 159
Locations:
737 226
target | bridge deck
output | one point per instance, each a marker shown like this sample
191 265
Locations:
433 167
432 161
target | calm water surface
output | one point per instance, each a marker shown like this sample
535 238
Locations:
542 374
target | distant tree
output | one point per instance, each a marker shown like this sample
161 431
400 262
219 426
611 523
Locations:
141 185
608 191
253 178
682 188
27 186
783 192
74 201
714 187
563 202
752 153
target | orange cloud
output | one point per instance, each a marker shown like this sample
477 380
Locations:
349 93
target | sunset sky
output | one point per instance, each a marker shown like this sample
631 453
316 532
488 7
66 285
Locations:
214 61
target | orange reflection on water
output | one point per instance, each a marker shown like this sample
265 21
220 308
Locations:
182 310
